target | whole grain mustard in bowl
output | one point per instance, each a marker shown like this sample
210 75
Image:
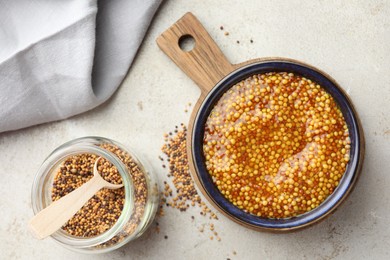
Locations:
111 218
276 150
276 145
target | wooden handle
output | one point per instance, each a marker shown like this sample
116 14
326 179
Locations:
205 64
53 217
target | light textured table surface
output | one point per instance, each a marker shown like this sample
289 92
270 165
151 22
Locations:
350 40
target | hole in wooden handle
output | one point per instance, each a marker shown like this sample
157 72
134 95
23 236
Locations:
187 43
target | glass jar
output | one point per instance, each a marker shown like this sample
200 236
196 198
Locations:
141 195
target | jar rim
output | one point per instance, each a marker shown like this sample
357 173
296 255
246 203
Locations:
62 152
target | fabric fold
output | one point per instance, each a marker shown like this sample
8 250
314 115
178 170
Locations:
52 69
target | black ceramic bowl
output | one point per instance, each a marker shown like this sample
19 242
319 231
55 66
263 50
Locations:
346 183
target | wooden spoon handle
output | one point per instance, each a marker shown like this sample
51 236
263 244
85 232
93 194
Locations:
53 217
205 64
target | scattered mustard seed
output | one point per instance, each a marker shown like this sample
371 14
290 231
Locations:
184 192
175 149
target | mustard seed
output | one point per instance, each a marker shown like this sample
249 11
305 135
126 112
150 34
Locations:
102 211
175 148
276 145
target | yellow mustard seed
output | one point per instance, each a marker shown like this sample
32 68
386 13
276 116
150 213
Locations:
271 145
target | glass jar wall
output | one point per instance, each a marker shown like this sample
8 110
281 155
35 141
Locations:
111 218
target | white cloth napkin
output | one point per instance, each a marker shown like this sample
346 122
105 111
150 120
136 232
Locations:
59 58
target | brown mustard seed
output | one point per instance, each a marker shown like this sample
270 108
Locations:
102 211
276 145
175 149
140 192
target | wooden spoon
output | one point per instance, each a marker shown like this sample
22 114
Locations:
53 217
